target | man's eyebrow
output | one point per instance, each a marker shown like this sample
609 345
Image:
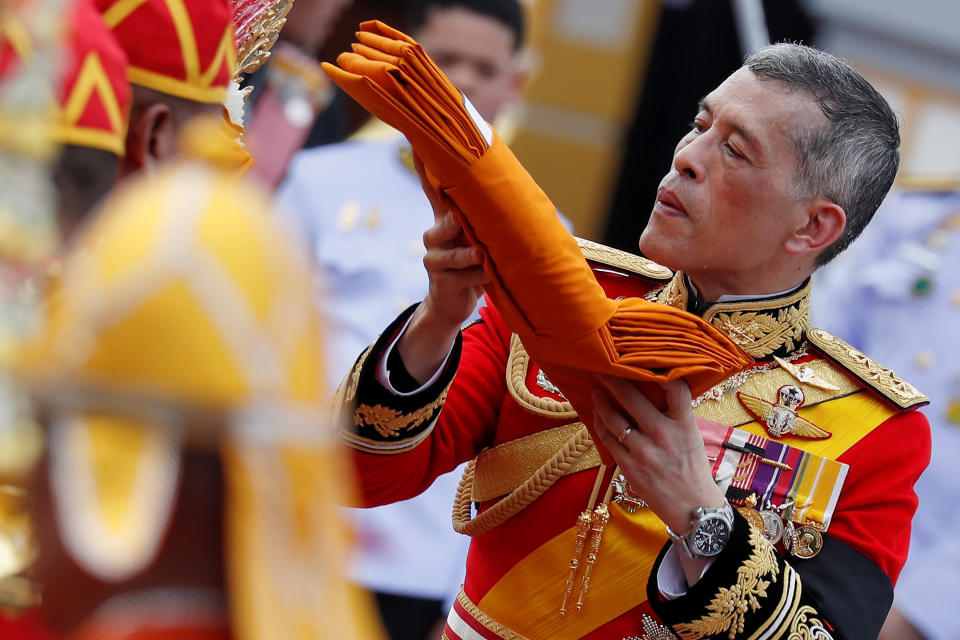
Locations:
748 138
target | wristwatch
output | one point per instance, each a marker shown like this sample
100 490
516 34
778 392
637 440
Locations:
709 532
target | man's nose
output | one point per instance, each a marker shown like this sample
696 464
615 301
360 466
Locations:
462 78
688 157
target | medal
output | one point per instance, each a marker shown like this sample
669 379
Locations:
789 536
809 542
772 525
750 514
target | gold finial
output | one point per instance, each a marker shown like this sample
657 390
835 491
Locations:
256 27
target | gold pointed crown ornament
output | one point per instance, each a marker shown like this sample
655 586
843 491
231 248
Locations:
185 319
256 27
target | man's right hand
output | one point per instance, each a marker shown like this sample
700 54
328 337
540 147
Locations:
456 283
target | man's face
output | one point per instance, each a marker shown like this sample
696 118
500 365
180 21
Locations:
730 201
476 52
310 21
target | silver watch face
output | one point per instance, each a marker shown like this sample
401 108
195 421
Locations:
711 536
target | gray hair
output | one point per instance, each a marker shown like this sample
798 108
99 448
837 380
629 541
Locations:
854 159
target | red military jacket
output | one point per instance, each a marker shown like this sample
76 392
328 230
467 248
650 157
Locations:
535 470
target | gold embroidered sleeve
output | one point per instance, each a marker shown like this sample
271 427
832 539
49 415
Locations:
377 419
750 591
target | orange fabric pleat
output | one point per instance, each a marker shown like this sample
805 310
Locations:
558 309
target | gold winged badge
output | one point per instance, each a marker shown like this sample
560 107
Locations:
781 418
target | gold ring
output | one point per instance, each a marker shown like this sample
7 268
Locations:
624 435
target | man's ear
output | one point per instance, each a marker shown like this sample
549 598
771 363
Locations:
150 139
825 221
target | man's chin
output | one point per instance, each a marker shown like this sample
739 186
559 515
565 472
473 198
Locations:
660 250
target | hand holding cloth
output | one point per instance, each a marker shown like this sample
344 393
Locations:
541 284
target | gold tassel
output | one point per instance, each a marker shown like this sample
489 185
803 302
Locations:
601 516
584 522
583 528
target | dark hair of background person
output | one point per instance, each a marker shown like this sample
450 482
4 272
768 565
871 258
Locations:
508 12
82 176
852 160
696 47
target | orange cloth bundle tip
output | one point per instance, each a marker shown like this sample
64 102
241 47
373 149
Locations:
541 284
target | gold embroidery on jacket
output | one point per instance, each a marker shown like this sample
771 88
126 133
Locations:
673 294
761 331
729 606
760 327
806 626
390 422
761 334
354 376
488 622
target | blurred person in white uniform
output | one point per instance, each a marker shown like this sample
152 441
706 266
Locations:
366 237
896 295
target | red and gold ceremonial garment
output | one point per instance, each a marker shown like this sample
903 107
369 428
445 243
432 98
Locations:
855 485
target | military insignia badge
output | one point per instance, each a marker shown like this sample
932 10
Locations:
781 418
806 375
624 496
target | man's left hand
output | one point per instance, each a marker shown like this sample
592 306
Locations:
660 453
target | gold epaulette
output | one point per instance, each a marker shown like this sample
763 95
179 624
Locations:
882 380
602 254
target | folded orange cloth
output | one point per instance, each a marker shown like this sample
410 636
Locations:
556 306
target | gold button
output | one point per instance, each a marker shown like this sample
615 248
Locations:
373 219
349 217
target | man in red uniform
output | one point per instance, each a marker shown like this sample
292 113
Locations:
816 444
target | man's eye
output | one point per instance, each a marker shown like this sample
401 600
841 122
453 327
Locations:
488 71
731 151
696 126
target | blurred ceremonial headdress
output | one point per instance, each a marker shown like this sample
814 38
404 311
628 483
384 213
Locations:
179 47
189 48
93 93
185 319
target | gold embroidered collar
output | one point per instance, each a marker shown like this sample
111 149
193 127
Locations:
763 327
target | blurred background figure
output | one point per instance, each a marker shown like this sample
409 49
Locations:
897 292
292 105
189 485
363 212
94 106
64 99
